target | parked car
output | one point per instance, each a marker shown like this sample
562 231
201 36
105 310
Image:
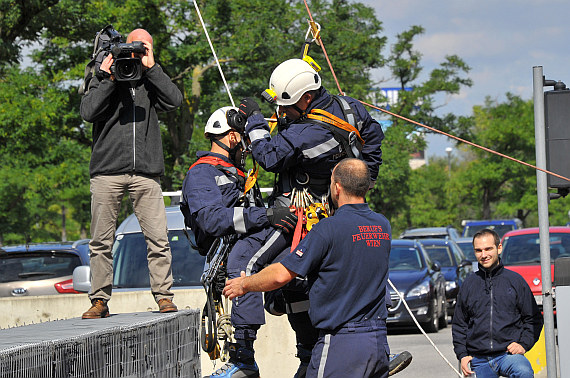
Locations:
454 266
422 284
500 226
130 265
41 269
466 245
521 253
430 233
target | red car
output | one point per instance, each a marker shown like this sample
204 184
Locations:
521 253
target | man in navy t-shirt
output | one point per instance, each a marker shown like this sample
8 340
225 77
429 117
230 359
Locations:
345 258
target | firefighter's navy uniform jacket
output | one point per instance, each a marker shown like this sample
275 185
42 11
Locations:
305 148
211 194
345 258
303 151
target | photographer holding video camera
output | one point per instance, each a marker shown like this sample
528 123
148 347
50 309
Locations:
121 99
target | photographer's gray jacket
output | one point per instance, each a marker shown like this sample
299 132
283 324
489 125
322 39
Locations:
126 134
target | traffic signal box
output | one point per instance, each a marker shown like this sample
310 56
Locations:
557 119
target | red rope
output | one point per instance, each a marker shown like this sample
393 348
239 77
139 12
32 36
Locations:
324 51
425 126
465 141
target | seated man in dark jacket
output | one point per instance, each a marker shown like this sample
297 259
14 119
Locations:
496 319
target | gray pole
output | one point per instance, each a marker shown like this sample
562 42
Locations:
542 192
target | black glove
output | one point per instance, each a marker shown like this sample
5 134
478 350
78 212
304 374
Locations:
282 217
249 107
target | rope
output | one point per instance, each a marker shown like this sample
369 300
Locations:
214 53
465 141
318 37
422 330
425 126
419 124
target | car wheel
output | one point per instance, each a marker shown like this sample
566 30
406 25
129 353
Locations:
443 317
432 325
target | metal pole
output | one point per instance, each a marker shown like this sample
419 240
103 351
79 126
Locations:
542 192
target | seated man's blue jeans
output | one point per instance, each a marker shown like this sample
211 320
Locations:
502 365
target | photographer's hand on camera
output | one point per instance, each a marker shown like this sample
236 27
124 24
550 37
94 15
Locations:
147 59
104 71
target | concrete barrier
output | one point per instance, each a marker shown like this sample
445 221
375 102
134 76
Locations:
275 346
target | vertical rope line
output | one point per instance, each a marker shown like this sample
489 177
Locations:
214 53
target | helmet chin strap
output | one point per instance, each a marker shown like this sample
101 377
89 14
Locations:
284 121
232 152
221 145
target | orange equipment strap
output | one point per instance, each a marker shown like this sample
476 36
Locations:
212 160
300 231
251 178
324 116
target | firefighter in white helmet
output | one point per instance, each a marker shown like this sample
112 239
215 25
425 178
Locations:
316 131
214 205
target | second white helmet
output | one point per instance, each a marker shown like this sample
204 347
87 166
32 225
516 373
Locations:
291 79
218 122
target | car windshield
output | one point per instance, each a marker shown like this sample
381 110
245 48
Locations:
525 249
131 266
405 258
468 251
37 265
500 229
441 254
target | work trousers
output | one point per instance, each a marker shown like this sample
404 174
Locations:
359 349
146 196
250 255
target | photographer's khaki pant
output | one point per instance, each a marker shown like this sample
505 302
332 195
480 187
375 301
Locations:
146 196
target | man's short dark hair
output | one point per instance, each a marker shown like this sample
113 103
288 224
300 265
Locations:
352 174
487 231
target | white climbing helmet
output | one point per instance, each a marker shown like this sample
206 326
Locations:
291 79
218 122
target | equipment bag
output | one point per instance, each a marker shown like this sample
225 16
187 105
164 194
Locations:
103 40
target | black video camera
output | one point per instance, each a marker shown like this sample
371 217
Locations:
125 67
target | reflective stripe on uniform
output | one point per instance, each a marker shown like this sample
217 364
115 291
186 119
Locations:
320 149
223 180
258 134
324 355
239 221
261 251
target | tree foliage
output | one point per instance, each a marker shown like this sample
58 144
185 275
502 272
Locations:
392 193
39 110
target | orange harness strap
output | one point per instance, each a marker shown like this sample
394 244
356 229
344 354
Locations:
324 116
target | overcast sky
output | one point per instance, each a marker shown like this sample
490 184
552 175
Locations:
501 40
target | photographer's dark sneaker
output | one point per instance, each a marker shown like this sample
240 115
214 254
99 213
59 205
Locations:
99 309
399 362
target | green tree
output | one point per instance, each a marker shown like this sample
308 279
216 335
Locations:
39 117
391 195
496 186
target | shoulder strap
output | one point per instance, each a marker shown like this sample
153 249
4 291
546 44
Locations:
217 162
331 119
349 113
